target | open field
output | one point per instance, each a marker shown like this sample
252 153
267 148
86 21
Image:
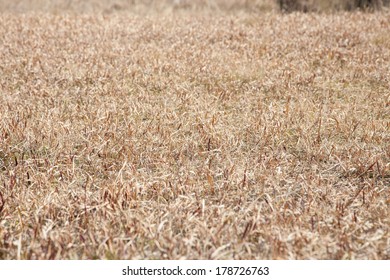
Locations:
194 135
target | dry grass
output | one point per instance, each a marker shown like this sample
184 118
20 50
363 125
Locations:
137 6
194 136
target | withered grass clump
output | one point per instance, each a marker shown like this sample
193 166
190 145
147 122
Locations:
195 137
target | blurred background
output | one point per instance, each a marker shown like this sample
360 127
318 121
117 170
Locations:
146 6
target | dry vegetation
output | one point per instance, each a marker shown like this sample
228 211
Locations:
138 6
331 5
232 136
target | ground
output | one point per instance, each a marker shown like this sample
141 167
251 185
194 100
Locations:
194 135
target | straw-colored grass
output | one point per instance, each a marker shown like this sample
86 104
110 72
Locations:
194 135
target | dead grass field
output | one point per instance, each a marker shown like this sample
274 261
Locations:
195 136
